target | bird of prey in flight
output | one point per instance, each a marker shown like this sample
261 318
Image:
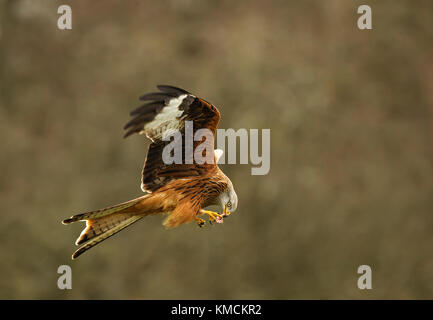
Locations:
181 191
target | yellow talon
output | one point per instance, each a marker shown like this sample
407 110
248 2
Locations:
200 222
213 216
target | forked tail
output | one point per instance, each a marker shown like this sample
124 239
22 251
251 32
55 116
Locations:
104 223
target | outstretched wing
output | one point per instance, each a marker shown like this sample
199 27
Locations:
168 111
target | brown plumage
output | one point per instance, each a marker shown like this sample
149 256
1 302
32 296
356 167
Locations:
180 191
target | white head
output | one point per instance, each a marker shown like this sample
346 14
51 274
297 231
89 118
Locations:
229 198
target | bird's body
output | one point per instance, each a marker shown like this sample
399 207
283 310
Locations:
179 190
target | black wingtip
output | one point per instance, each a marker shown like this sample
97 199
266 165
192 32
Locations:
126 135
156 96
130 132
171 89
148 111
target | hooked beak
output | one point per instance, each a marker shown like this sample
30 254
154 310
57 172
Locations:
226 211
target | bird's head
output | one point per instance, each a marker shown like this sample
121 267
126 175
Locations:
229 199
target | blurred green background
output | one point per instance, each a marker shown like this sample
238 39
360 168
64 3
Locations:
351 119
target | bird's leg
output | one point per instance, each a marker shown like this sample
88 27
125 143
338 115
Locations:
213 216
200 222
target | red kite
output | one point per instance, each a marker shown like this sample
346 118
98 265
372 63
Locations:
179 190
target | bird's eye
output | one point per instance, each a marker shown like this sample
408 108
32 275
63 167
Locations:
229 204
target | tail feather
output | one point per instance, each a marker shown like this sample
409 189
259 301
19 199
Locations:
93 241
95 227
103 223
102 212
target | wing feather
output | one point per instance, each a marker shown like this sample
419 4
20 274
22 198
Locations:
167 111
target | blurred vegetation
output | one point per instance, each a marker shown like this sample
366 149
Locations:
351 118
